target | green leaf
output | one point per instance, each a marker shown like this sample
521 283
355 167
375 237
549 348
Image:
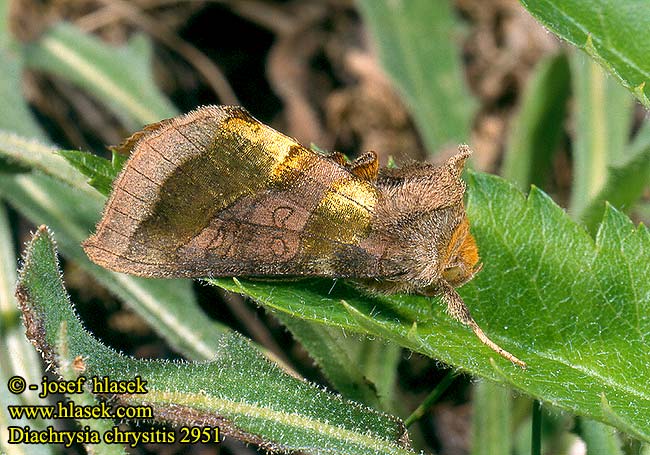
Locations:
360 369
572 308
332 351
100 171
419 45
169 306
120 77
379 361
616 34
431 399
239 390
15 115
554 424
603 113
117 162
491 425
626 180
17 358
33 154
539 124
65 368
600 439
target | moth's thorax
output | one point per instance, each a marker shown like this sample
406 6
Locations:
417 216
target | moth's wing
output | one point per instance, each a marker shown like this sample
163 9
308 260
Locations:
298 231
216 192
126 146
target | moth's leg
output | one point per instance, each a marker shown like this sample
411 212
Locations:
366 166
458 310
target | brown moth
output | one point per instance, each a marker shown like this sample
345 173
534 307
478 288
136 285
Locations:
217 193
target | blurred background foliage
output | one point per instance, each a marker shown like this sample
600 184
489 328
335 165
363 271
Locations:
344 75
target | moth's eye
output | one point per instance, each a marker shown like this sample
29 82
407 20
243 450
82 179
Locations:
462 252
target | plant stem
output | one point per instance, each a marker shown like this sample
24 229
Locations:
536 437
431 398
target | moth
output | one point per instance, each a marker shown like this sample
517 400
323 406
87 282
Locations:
216 193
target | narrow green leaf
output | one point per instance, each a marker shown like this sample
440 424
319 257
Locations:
100 171
554 435
575 317
536 429
14 112
119 77
15 115
7 271
626 180
615 34
5 35
239 390
539 123
603 112
117 162
491 420
65 362
330 348
600 439
431 399
168 305
17 357
33 154
419 45
379 361
360 369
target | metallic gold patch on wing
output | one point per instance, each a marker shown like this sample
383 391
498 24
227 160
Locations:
297 161
275 147
344 213
356 191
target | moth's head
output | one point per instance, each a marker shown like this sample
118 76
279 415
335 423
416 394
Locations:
461 260
422 208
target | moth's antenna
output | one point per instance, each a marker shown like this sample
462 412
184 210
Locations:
492 345
459 311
